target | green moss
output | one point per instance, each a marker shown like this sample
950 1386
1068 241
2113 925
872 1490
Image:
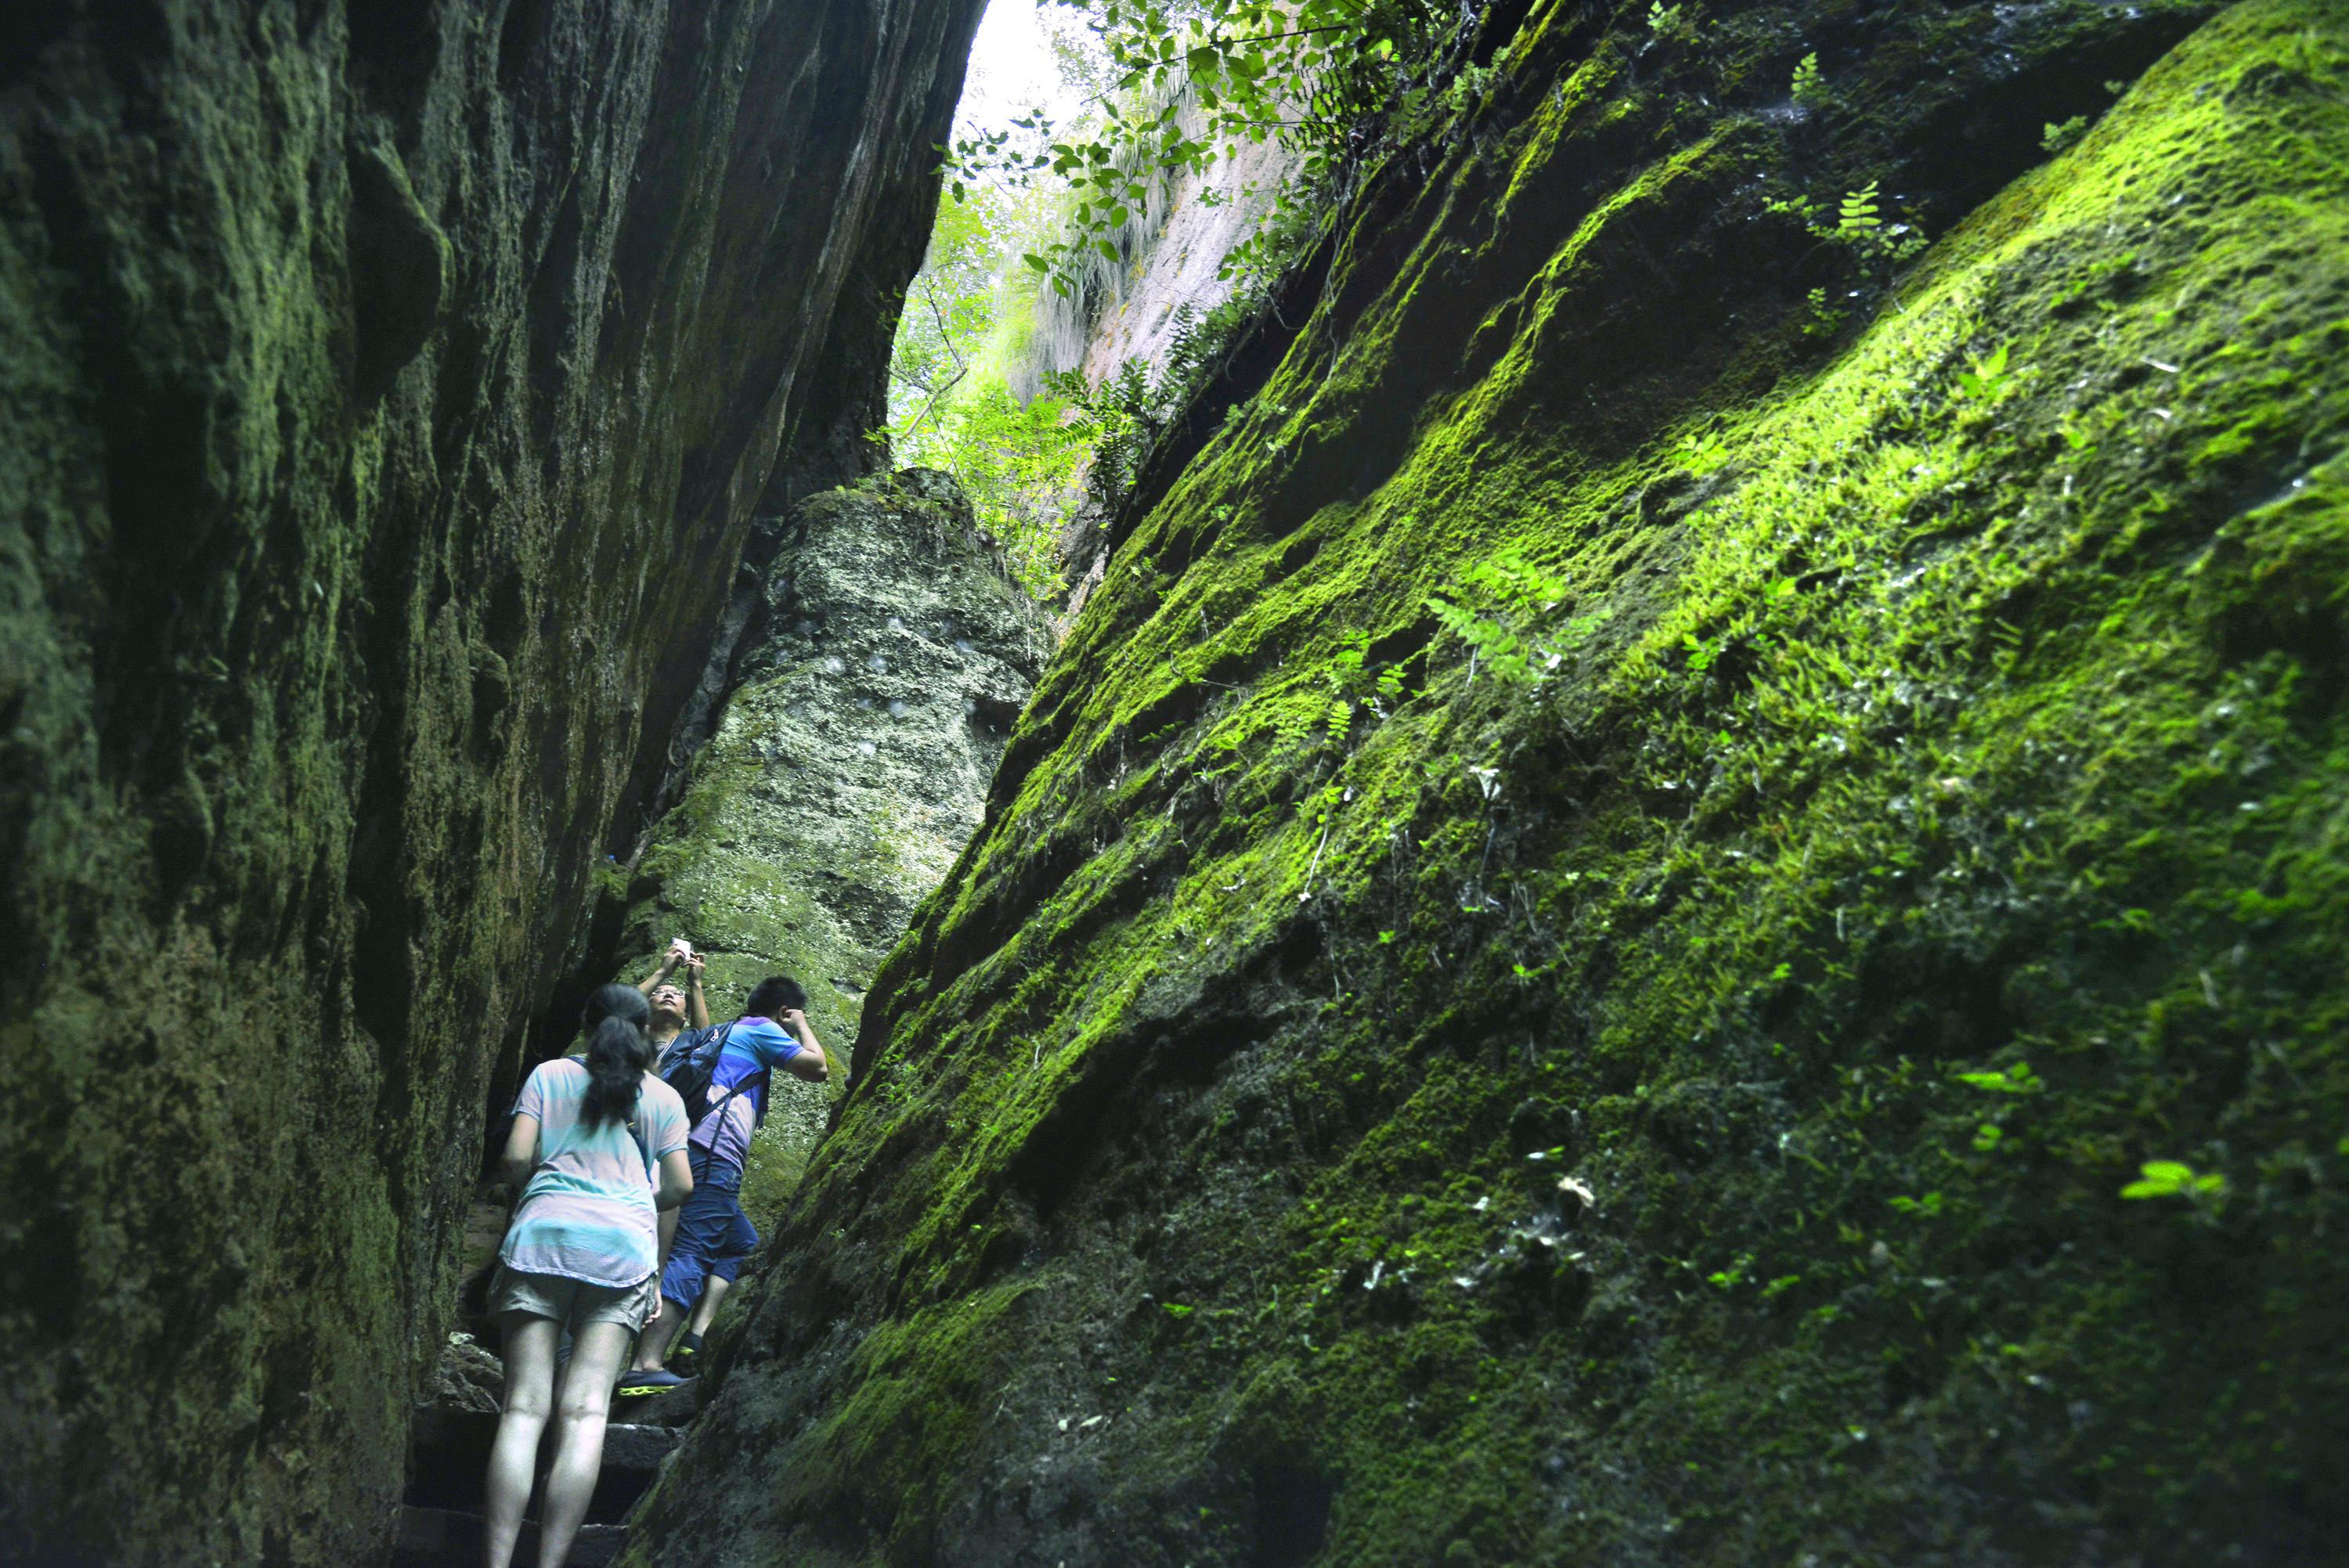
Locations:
1913 715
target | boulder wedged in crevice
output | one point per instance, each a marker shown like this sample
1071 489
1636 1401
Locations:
849 765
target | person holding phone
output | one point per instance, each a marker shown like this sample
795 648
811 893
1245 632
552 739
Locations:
675 1007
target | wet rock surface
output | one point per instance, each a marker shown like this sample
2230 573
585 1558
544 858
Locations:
387 392
465 1378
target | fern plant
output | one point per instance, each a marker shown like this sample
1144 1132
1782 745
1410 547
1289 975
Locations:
1808 90
1859 216
1499 610
1670 21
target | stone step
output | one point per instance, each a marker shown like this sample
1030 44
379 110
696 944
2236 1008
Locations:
446 1538
449 1454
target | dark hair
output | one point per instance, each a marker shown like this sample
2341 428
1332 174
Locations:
618 1053
776 994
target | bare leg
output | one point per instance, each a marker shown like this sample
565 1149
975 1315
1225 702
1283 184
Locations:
713 1291
596 1351
530 1387
643 1359
652 1349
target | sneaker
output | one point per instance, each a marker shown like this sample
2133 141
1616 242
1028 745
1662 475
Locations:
686 1347
634 1383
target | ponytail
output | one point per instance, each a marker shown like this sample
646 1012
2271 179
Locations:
618 1053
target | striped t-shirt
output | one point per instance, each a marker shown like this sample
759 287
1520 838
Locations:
587 1214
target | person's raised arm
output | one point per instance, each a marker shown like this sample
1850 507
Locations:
809 1061
697 1004
669 961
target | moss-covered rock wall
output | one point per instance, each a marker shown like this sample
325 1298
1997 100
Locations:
1580 955
385 390
848 771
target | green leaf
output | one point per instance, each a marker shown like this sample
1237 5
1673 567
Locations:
1807 87
1856 216
2016 1079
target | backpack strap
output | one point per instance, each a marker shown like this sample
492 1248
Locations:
716 1046
691 1073
669 1062
765 1075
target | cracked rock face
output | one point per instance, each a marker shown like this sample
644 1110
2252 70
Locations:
849 769
385 391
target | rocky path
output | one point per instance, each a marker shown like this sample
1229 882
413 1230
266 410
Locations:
449 1454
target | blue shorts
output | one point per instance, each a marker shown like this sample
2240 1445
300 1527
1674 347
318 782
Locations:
713 1234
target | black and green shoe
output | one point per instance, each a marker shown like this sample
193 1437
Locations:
688 1346
632 1384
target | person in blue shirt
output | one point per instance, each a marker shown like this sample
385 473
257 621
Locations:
713 1235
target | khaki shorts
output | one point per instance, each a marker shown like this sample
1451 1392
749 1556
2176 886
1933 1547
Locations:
573 1302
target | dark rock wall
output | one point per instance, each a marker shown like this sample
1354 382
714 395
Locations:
1654 1063
385 391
